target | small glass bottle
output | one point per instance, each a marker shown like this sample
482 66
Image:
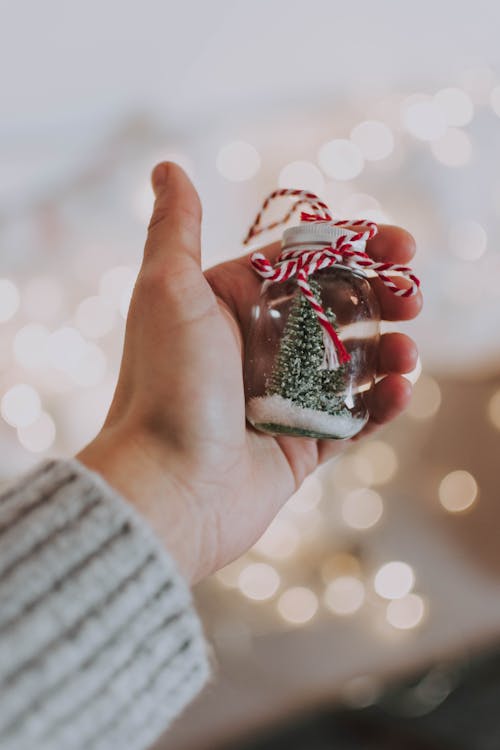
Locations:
289 389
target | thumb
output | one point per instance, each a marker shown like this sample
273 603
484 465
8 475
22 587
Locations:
171 276
174 232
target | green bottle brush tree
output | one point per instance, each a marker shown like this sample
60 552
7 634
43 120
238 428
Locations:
301 397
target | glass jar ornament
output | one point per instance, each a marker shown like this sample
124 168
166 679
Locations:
312 346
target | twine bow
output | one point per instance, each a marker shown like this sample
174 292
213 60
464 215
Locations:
347 250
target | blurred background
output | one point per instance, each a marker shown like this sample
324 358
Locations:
385 564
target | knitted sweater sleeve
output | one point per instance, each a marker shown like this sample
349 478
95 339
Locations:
100 646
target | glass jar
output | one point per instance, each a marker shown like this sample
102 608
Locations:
288 388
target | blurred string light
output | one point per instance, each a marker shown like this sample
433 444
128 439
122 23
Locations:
65 348
30 346
362 508
21 405
361 691
9 300
344 595
374 139
238 161
453 148
394 580
406 613
298 605
95 317
281 540
478 81
376 462
456 106
229 575
91 367
494 410
259 581
38 436
458 491
423 118
341 159
426 398
303 175
116 284
468 240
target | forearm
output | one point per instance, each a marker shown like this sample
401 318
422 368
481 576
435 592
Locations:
99 643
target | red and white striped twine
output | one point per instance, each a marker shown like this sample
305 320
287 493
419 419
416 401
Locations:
304 261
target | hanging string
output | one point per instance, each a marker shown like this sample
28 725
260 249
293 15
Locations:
348 250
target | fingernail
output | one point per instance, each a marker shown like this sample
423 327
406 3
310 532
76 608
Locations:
159 178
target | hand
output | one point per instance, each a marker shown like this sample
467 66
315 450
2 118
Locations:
175 442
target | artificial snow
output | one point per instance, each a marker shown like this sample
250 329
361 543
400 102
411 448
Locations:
282 411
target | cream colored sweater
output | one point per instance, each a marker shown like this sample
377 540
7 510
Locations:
100 647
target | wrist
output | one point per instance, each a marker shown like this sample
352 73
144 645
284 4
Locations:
130 466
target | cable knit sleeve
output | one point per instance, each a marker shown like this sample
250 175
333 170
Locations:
100 646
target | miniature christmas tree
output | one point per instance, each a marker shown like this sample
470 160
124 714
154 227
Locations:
297 373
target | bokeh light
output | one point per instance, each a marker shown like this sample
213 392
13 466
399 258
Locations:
38 436
478 81
361 691
281 540
259 581
303 175
458 491
115 283
229 575
21 405
468 240
406 613
374 139
394 580
91 367
423 118
494 410
362 508
95 317
426 398
9 300
30 345
376 462
454 148
456 105
344 595
298 605
341 159
65 348
238 161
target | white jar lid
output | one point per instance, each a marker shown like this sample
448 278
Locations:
321 231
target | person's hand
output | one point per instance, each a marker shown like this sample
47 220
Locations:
175 442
